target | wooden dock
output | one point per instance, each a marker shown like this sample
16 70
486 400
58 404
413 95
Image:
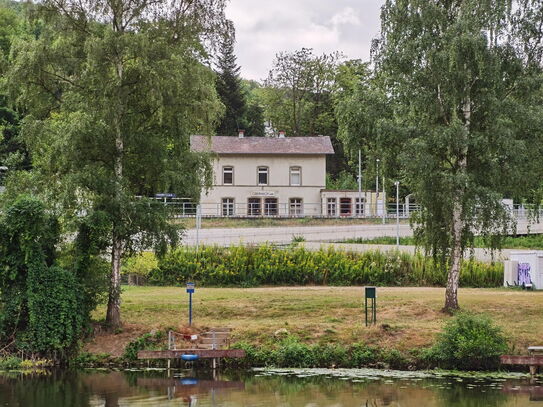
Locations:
202 353
533 361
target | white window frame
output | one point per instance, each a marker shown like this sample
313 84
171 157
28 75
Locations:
359 206
295 170
228 169
262 170
296 208
331 203
228 208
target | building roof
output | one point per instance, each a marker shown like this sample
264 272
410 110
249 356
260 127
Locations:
262 145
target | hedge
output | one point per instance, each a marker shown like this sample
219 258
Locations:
268 265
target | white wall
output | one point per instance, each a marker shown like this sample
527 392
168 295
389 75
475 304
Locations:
246 185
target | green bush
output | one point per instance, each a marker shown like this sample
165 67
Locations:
11 362
468 342
140 264
147 341
292 353
267 265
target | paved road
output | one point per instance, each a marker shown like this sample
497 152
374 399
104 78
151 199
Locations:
284 235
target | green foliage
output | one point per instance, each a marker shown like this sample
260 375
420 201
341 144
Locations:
140 264
240 113
11 362
344 180
290 352
298 98
43 306
147 341
469 342
266 265
453 106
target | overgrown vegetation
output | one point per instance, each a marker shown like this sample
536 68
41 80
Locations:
44 307
147 341
469 342
291 352
267 265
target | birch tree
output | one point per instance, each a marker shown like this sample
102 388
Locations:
462 78
113 89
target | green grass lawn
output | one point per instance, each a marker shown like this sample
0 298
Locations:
411 316
510 242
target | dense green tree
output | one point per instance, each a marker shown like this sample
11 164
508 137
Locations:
13 153
113 90
229 88
298 98
461 81
43 306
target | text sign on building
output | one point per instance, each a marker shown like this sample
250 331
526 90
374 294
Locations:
264 193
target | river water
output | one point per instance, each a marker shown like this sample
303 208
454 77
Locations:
285 388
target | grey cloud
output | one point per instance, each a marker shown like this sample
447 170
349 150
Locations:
264 28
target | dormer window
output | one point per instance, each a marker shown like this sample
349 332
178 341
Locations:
295 176
262 177
228 175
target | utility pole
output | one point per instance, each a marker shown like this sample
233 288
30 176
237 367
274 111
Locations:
384 202
198 225
397 183
359 183
377 187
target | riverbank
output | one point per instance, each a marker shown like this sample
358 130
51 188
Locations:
407 318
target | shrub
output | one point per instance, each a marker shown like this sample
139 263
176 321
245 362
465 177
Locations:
147 341
10 362
267 265
292 353
140 266
469 342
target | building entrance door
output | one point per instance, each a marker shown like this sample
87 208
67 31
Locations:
270 207
345 206
254 207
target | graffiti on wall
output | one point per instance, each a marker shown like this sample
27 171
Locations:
524 277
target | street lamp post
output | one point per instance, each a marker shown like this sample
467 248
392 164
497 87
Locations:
359 184
397 184
377 187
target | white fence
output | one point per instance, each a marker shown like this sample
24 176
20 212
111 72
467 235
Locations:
185 208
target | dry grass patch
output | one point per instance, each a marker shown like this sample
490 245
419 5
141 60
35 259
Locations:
407 317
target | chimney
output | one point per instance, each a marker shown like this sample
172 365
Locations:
281 134
241 133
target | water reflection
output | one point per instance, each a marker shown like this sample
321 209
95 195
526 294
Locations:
237 388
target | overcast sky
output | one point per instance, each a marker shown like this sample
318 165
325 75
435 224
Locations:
266 27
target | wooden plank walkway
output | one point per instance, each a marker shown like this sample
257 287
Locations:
533 361
202 353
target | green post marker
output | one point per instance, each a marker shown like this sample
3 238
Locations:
371 294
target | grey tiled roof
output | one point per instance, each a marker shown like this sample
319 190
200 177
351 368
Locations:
262 145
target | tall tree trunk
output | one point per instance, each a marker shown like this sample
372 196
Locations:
451 293
113 317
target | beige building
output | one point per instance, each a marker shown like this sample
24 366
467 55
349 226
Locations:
273 176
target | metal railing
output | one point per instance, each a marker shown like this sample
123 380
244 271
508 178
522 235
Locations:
181 207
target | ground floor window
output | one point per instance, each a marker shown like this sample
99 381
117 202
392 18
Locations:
270 206
359 206
331 206
295 207
228 207
254 207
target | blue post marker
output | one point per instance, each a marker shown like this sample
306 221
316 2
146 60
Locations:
190 290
